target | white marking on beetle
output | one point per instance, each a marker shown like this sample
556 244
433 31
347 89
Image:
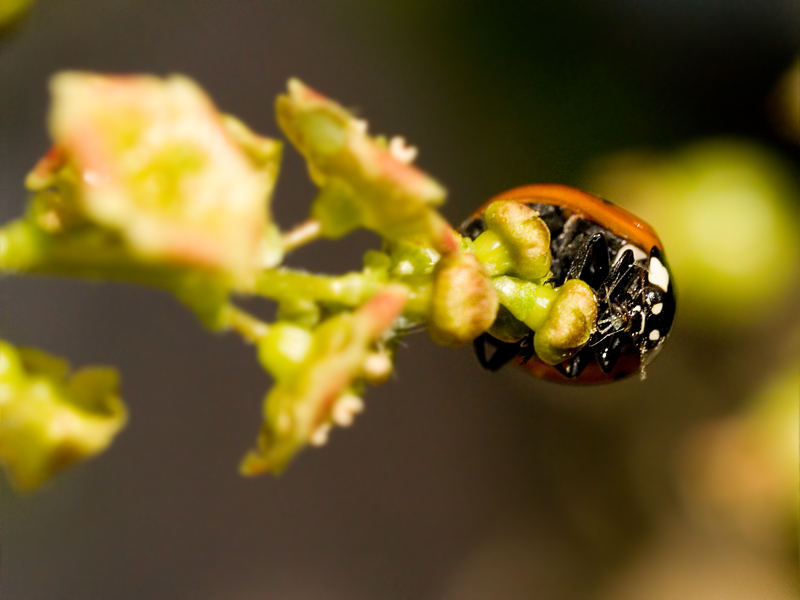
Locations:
657 273
638 253
654 335
657 308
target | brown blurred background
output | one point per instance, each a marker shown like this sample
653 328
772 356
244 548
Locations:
456 483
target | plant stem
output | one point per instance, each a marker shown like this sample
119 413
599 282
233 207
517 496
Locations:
24 248
350 289
529 302
301 234
249 327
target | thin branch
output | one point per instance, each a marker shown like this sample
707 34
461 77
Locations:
301 234
249 327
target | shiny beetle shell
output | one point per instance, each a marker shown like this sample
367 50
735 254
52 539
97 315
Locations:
621 258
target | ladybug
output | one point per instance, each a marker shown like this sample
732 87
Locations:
620 257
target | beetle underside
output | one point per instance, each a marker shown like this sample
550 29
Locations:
634 294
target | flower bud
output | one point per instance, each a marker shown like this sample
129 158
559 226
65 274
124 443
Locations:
283 349
50 418
524 234
364 181
464 300
569 325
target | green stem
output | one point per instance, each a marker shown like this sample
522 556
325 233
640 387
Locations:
302 234
90 254
350 289
25 248
528 302
93 254
249 327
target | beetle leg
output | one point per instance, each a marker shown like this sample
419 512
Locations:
591 264
609 351
503 352
581 258
472 228
573 367
621 286
620 266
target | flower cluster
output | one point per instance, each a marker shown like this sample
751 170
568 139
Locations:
148 182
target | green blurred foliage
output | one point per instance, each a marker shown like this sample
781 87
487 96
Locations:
11 10
727 212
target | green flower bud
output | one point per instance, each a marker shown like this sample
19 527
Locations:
364 181
570 323
464 302
410 259
493 252
313 393
49 420
525 236
283 349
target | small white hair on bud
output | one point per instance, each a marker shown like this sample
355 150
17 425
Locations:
319 437
377 366
359 125
402 151
346 408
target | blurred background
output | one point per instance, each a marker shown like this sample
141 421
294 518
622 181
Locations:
456 483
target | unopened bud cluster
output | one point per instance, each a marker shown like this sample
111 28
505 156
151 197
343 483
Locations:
515 250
